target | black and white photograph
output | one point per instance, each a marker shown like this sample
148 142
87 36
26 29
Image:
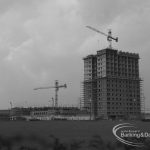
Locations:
74 75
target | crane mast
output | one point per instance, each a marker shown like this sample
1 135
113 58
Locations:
57 86
109 35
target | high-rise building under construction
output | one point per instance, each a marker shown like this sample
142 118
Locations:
112 84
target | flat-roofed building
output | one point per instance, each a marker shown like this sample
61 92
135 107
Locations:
5 114
112 83
60 113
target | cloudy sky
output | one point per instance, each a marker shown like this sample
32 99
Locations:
45 40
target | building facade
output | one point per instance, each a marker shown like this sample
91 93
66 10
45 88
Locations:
4 114
60 113
44 113
112 84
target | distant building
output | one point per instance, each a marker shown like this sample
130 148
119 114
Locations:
20 113
44 113
112 84
60 113
4 114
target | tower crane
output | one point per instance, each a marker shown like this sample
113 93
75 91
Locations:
109 35
56 87
11 105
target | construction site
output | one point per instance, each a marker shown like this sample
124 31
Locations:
111 89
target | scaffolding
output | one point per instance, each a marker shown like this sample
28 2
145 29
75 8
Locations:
81 98
142 97
87 95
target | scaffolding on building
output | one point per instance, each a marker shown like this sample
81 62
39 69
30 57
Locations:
81 99
142 97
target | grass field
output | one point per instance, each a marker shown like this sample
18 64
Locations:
64 135
65 130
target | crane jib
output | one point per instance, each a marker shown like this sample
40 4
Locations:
109 37
56 87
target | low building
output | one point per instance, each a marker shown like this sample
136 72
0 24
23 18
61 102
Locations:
60 113
4 114
48 113
20 113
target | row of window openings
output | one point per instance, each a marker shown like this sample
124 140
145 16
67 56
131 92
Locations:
116 86
122 62
102 63
118 96
131 112
119 65
127 108
122 90
125 88
128 92
119 72
120 85
122 99
114 65
121 58
133 75
112 94
114 112
119 99
122 69
120 93
100 68
40 113
120 81
117 103
100 72
118 108
113 70
122 65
